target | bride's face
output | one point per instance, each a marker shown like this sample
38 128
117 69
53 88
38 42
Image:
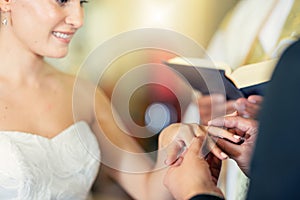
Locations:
46 27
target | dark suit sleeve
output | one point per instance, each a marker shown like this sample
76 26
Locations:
275 169
206 197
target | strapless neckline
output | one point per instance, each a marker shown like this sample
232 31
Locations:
57 136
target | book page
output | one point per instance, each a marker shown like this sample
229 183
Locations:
200 62
253 74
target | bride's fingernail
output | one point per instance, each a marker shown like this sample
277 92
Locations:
224 155
246 116
167 162
251 100
237 137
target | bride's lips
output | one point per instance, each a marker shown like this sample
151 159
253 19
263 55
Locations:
64 37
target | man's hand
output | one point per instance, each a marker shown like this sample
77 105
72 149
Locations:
250 107
236 127
191 174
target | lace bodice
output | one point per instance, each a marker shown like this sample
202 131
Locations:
34 167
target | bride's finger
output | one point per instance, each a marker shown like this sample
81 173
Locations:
223 133
211 147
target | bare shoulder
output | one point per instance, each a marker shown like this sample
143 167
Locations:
81 88
81 93
73 82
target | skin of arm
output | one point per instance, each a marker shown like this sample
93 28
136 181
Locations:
125 160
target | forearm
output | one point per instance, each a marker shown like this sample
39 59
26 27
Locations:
157 190
128 164
143 182
155 178
146 186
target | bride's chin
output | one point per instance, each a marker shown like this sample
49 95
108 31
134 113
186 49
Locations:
57 55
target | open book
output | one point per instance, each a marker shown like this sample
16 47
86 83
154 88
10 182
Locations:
217 77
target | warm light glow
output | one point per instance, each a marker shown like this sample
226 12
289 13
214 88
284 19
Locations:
158 13
158 16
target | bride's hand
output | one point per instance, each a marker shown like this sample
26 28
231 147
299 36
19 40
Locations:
176 137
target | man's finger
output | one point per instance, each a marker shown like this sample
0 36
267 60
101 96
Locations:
231 149
196 145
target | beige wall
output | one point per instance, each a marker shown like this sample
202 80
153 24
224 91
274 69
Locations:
195 18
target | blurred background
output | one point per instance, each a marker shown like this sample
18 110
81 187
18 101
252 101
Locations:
197 19
104 19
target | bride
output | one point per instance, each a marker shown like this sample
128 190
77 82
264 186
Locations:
46 152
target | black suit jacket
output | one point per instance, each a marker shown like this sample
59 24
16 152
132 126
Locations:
275 169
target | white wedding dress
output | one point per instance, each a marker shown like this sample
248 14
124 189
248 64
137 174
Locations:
34 167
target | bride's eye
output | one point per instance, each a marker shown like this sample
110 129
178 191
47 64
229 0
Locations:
62 2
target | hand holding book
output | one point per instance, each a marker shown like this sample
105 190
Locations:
203 75
248 108
244 87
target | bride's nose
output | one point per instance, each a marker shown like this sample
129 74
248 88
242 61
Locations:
75 15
